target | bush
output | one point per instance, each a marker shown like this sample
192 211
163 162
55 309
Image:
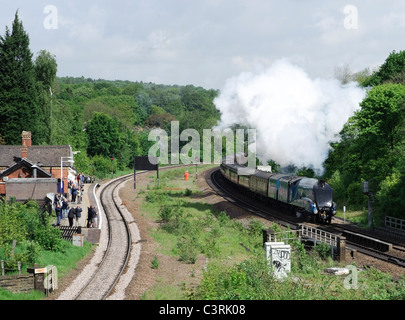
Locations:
323 250
188 249
31 227
166 212
155 263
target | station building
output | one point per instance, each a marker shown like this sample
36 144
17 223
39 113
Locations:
31 172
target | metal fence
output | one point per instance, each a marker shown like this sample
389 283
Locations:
395 223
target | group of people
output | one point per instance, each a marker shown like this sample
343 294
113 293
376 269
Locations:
63 210
92 216
76 191
81 178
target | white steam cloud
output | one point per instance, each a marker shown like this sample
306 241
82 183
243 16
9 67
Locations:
295 117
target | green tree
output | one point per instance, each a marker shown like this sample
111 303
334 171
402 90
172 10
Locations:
378 123
45 70
369 144
104 137
392 70
18 87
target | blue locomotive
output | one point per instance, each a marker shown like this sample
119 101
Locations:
308 197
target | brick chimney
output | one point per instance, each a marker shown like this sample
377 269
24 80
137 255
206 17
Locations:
26 142
26 137
24 151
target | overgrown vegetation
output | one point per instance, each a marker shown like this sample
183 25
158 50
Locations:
237 268
27 236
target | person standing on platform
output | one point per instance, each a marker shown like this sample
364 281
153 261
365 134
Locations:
71 216
58 211
89 213
78 215
94 216
74 193
65 207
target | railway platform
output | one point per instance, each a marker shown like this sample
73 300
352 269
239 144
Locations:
90 234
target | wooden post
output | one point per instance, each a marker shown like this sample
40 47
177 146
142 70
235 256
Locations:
342 249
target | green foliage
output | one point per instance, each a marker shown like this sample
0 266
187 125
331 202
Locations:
392 70
370 149
323 250
18 86
103 135
155 263
45 69
100 166
167 212
11 225
188 249
29 227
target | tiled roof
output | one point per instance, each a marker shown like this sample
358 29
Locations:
45 156
24 162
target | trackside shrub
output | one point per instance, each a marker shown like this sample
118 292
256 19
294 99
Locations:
29 226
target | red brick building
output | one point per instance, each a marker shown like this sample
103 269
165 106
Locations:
40 163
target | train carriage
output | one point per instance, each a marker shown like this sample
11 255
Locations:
274 183
259 182
230 171
244 181
308 197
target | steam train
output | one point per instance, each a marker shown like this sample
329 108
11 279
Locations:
309 198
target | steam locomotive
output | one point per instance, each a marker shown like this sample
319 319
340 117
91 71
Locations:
309 198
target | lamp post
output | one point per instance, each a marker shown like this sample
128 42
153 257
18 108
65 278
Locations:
68 159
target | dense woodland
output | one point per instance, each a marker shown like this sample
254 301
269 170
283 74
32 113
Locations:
100 118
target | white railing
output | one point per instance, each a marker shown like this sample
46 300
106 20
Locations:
395 223
319 235
306 232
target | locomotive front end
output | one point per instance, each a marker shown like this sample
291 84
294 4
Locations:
324 206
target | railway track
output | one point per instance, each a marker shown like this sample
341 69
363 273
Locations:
122 246
118 249
229 192
226 190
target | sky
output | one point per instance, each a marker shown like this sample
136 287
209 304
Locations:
205 43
